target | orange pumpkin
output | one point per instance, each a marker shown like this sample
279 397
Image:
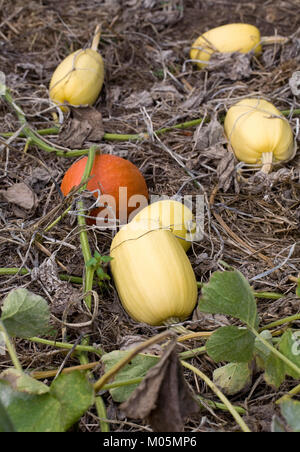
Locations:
115 179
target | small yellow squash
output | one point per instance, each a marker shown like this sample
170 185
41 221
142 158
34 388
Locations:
153 275
258 133
237 37
171 215
78 79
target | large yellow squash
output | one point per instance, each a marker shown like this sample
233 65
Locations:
78 79
171 215
258 133
227 38
153 275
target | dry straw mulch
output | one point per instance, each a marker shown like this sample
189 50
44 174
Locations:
251 223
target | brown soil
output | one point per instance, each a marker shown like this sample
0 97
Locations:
250 223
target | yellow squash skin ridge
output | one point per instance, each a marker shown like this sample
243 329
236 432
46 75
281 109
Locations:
78 79
153 276
236 37
254 127
170 214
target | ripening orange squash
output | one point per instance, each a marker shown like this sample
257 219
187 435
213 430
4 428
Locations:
117 183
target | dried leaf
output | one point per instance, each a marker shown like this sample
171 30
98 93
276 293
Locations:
84 123
20 381
163 391
35 67
21 195
225 170
294 83
209 321
138 99
114 94
41 176
163 18
166 92
261 182
193 101
63 294
210 136
130 342
233 66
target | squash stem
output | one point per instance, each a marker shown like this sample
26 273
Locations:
41 375
10 348
219 394
274 350
267 162
101 411
96 38
86 251
67 346
127 358
29 133
24 272
291 393
134 137
172 323
289 319
267 40
58 219
194 335
34 135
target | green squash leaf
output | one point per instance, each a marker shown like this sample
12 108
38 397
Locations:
261 352
75 395
138 367
229 293
22 382
273 366
6 425
230 343
25 314
34 407
277 425
30 412
289 346
290 410
232 377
